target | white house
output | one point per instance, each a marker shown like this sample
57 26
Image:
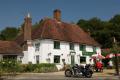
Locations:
55 41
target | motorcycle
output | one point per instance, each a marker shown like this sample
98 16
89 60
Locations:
77 70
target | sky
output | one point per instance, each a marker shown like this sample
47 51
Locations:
12 12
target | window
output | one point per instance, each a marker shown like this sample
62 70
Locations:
82 59
71 46
56 45
37 45
10 57
82 47
56 59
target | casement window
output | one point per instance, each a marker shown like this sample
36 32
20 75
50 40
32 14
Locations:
37 46
56 59
82 47
71 46
56 45
82 59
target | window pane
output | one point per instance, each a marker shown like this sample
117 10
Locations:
82 59
56 45
82 47
56 59
37 45
71 46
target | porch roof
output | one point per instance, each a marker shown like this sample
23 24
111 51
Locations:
10 48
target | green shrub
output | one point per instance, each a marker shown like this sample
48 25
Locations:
45 67
30 68
9 66
1 72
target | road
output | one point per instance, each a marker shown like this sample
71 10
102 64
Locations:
60 76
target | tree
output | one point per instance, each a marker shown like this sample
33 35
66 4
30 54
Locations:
115 19
116 50
102 31
9 33
83 24
116 27
103 37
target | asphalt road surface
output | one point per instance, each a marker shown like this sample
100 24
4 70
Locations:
57 76
61 78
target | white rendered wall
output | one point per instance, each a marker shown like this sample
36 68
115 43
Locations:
25 57
31 54
47 47
89 48
47 51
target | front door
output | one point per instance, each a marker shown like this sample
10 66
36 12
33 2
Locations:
72 59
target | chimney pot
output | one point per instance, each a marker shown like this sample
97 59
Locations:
28 15
57 15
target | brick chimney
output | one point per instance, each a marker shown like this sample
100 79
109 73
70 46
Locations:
57 15
27 28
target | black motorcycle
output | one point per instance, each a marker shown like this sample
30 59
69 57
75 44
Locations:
77 70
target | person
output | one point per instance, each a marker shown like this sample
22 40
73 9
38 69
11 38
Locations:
64 64
99 66
92 64
110 64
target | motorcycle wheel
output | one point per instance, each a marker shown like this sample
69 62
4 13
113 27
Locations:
88 75
68 73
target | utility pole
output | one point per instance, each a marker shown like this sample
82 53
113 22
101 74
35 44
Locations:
115 51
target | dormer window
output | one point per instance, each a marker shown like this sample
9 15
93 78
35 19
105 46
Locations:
37 46
71 46
56 44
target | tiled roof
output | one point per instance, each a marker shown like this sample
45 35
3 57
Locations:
52 29
10 47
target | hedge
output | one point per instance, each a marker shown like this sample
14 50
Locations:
8 66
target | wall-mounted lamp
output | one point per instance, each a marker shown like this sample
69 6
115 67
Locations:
49 54
68 54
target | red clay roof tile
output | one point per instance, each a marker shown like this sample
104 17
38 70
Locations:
52 29
10 47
